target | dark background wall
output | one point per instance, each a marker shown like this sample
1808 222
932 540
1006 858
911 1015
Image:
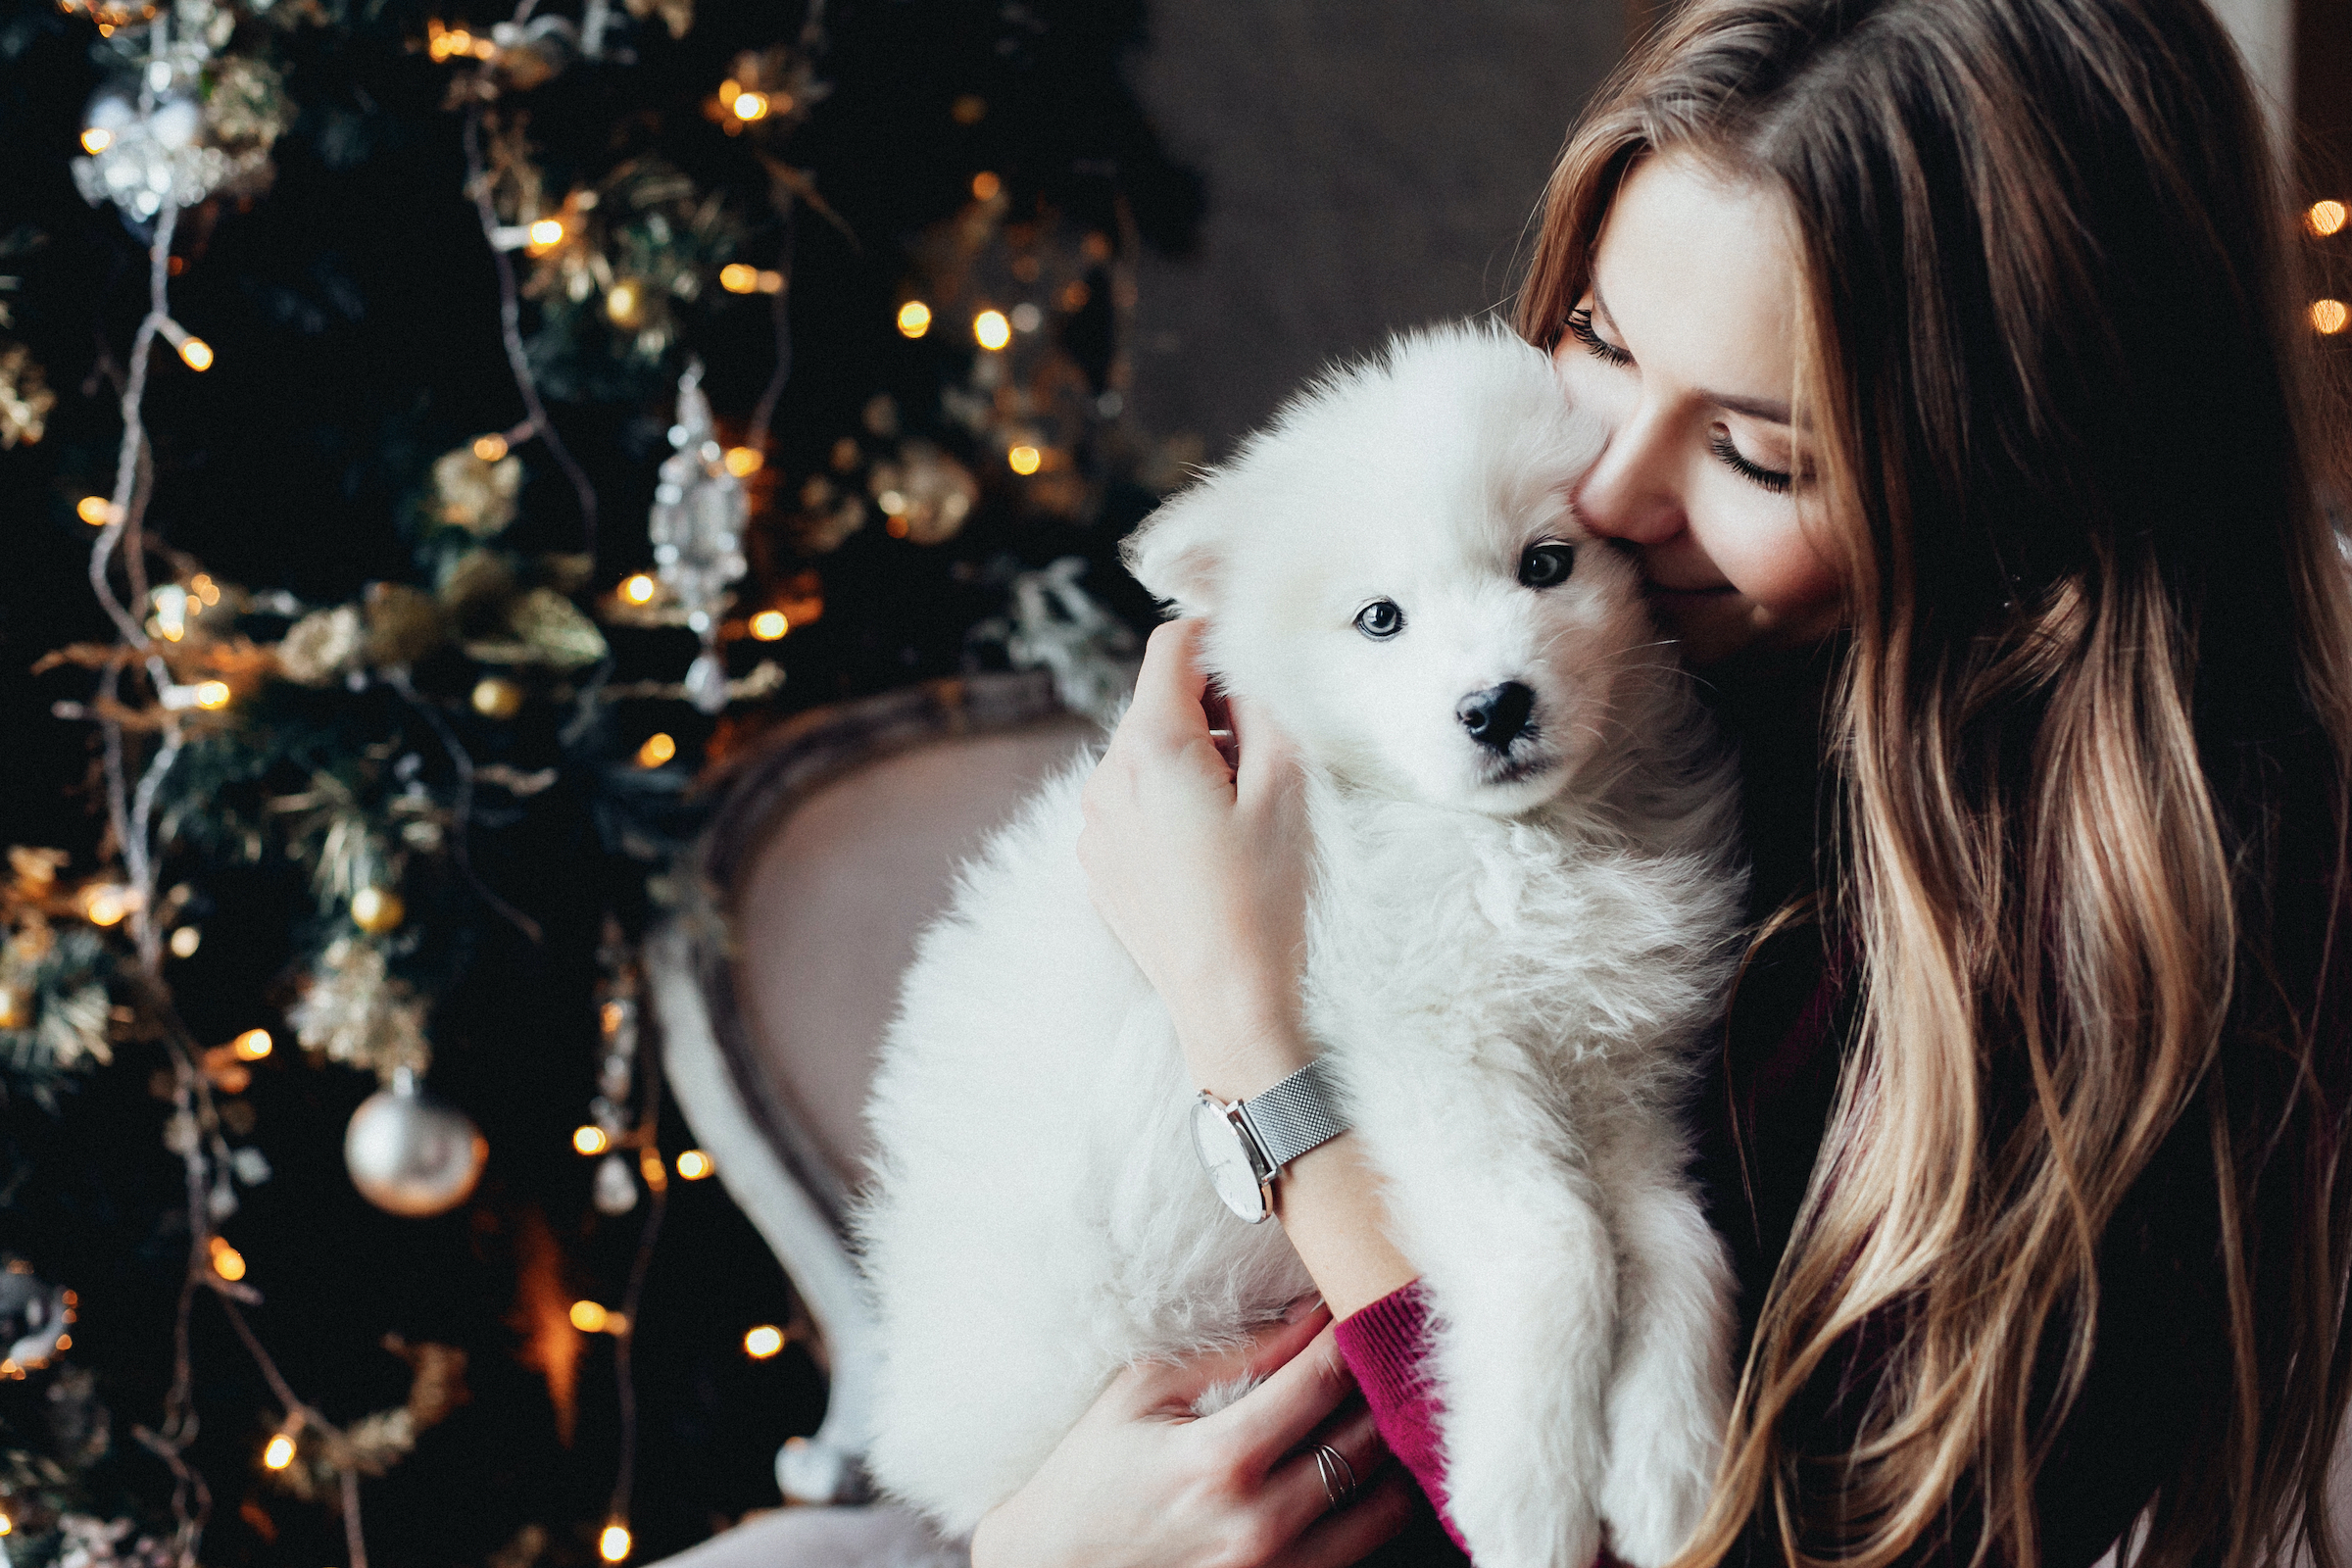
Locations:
1370 166
1373 163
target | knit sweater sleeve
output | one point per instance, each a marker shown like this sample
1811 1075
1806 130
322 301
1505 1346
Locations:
1386 1344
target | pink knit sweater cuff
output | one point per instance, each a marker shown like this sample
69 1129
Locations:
1386 1344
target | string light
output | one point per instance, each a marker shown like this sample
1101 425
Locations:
621 304
96 510
749 106
185 941
2327 218
547 233
204 588
590 1318
253 1044
105 906
590 1140
914 318
195 351
613 1544
693 1163
1025 459
226 1260
96 141
658 748
170 621
985 186
2329 317
212 695
762 1342
489 448
767 626
738 278
376 911
991 330
280 1454
637 590
744 461
7 1525
451 42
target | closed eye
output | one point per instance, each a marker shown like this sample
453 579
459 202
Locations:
1775 481
1580 328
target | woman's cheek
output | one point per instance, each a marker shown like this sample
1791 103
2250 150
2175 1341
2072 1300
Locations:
1770 560
1602 391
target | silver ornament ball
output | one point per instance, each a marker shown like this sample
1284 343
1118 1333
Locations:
411 1154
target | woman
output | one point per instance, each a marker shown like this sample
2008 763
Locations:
1965 430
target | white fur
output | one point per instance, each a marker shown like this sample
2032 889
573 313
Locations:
1510 962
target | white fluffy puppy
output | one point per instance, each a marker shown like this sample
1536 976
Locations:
1526 890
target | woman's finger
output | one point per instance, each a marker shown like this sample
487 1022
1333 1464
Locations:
1297 1488
1276 1416
1165 1386
1269 762
1348 1535
1169 686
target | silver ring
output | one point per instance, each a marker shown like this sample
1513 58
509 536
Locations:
1331 1465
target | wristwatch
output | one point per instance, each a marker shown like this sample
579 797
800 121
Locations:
1245 1145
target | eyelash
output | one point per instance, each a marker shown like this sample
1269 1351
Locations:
1579 327
1772 479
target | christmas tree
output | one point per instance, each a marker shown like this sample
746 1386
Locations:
431 440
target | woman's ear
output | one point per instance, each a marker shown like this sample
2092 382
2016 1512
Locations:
1178 553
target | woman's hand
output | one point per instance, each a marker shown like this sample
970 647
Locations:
1141 1482
1202 870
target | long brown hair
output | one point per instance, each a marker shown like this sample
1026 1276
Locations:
2090 742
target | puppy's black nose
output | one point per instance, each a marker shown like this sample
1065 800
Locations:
1497 715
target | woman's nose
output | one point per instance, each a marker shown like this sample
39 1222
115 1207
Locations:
1633 491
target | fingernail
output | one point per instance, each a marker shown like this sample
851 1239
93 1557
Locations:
1302 1308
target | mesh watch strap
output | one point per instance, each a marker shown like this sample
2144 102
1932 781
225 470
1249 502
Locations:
1293 1116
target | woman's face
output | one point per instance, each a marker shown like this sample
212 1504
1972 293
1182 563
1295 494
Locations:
1685 345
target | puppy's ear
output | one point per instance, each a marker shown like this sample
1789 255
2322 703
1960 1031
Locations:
1178 553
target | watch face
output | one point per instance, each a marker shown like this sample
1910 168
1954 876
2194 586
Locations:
1225 1154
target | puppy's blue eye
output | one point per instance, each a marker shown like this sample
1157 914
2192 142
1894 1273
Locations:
1380 619
1547 563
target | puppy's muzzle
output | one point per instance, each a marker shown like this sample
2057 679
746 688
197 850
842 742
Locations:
1497 715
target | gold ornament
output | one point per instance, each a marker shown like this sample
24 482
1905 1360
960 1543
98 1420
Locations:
24 397
403 624
353 1014
496 697
322 646
376 911
543 627
676 15
474 494
75 1028
925 494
